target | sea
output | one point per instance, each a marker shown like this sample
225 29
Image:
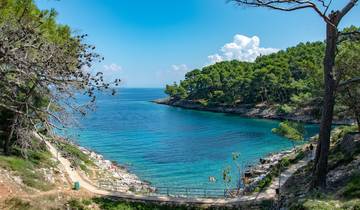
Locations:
174 147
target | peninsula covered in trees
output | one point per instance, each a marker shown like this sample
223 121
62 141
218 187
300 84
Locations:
288 83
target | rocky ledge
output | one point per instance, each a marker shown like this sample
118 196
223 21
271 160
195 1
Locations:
261 110
255 174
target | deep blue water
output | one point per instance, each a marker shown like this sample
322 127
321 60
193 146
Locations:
172 146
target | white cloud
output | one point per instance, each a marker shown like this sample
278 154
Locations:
182 68
113 71
174 74
242 48
112 67
215 58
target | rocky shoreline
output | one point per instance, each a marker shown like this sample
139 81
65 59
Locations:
258 111
258 172
117 178
113 176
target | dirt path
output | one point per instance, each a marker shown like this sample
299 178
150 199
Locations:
270 193
73 174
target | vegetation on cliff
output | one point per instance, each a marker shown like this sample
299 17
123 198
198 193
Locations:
30 171
291 78
291 130
343 177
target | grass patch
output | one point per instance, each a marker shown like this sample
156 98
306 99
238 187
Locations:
285 162
78 204
326 204
291 130
318 205
265 182
109 204
73 151
320 201
352 188
74 155
17 203
83 167
337 157
26 168
105 203
41 158
78 158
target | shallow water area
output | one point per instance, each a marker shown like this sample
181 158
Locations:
170 146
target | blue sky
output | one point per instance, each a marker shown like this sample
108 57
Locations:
153 43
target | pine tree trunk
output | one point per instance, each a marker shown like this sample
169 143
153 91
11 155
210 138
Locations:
9 137
7 142
322 151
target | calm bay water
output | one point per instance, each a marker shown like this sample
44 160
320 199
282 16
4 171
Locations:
171 146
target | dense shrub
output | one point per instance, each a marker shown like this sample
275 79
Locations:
352 188
291 130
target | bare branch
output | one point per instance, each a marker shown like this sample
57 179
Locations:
347 8
348 82
287 5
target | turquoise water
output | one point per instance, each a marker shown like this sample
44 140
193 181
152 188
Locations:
170 146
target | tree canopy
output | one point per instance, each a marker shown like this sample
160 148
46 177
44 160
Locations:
43 67
291 78
278 78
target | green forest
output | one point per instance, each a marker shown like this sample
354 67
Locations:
291 79
45 67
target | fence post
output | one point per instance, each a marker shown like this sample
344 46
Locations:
167 191
187 193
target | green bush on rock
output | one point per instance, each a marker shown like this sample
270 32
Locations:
291 130
285 109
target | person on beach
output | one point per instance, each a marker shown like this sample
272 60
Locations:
311 147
